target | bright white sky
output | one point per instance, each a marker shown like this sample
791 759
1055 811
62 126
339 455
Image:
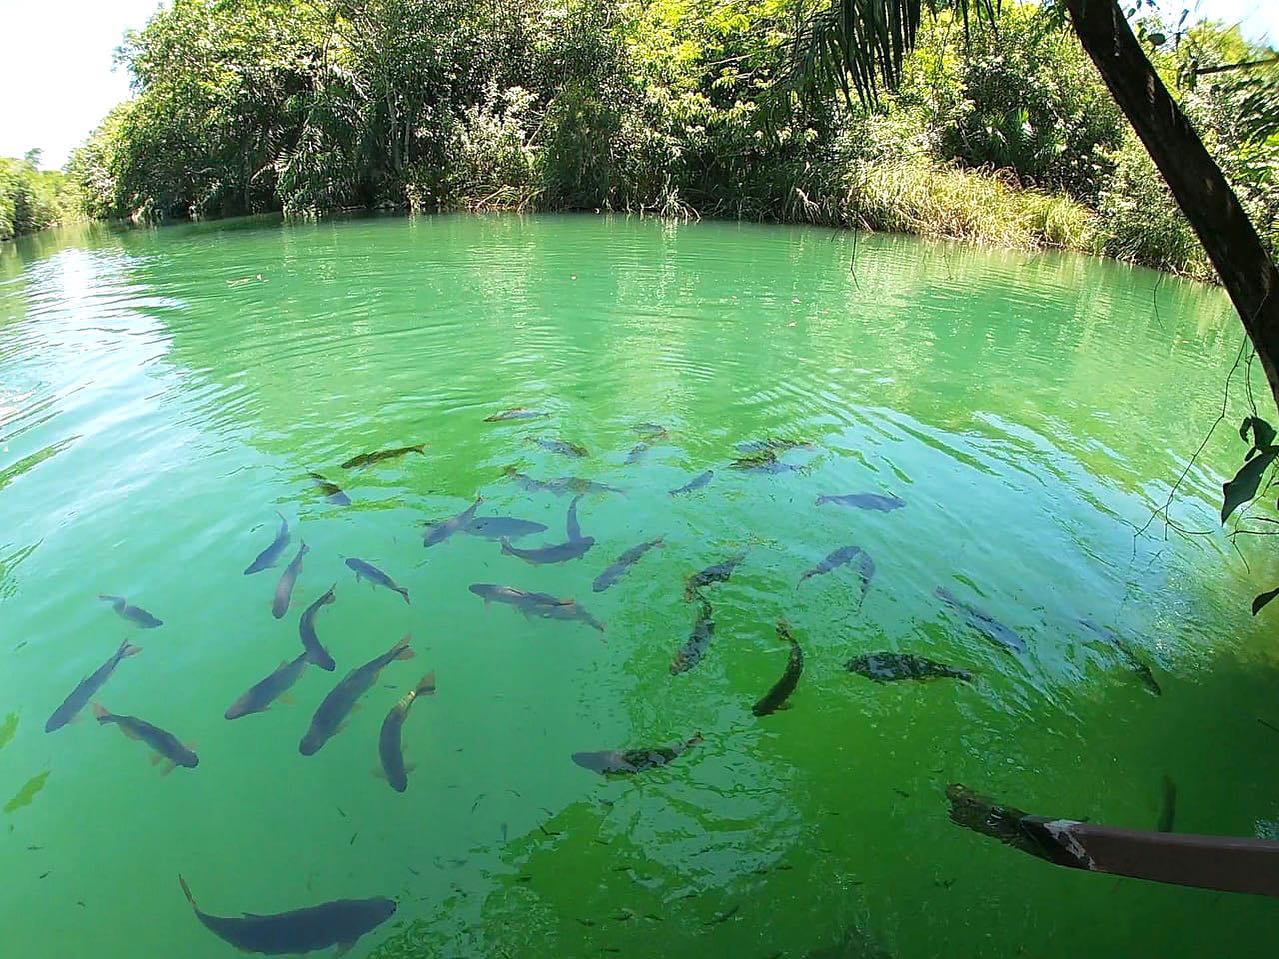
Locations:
58 80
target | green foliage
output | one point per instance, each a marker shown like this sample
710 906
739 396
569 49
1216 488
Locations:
31 199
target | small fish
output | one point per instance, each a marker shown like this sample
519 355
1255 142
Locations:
134 614
306 631
1168 809
518 413
439 532
375 576
271 555
719 573
773 445
776 697
765 461
164 743
562 447
887 667
982 621
616 762
542 605
834 559
1135 662
338 923
562 485
284 588
650 431
873 501
368 459
502 527
261 695
559 553
337 705
691 653
332 492
388 742
696 483
636 454
84 692
624 562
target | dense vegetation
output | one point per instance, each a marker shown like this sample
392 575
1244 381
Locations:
675 107
32 199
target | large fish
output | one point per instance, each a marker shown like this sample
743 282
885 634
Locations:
888 667
502 527
368 459
284 588
388 741
575 548
261 695
562 447
519 413
439 532
542 605
571 527
982 621
134 614
1133 661
84 692
718 573
864 565
776 697
339 923
696 483
560 485
271 555
315 652
332 492
691 653
873 501
624 762
624 562
337 705
163 742
375 576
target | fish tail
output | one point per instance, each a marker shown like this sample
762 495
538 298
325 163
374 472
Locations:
304 549
426 685
403 591
420 448
102 714
402 649
330 596
186 891
128 649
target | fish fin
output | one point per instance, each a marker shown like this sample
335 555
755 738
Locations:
186 891
168 769
405 593
343 948
409 767
426 685
287 699
355 708
127 731
100 712
377 772
128 649
403 649
156 759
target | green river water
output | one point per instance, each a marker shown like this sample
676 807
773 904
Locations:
163 393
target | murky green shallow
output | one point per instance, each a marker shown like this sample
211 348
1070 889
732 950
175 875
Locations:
162 393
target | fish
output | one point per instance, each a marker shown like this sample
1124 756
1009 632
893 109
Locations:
872 501
502 527
315 652
87 687
368 459
575 548
651 431
765 461
718 573
776 697
518 413
691 653
261 695
1135 663
271 555
773 445
337 705
332 492
696 483
625 762
284 588
388 742
624 562
134 614
560 485
839 557
562 447
375 576
1168 807
164 743
888 667
338 923
982 621
636 454
542 605
439 532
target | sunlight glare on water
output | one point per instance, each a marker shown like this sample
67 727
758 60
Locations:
163 393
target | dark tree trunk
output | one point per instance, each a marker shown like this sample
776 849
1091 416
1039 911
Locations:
1196 181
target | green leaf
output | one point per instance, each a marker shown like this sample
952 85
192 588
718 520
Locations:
1259 603
1157 39
1244 486
27 792
1263 434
